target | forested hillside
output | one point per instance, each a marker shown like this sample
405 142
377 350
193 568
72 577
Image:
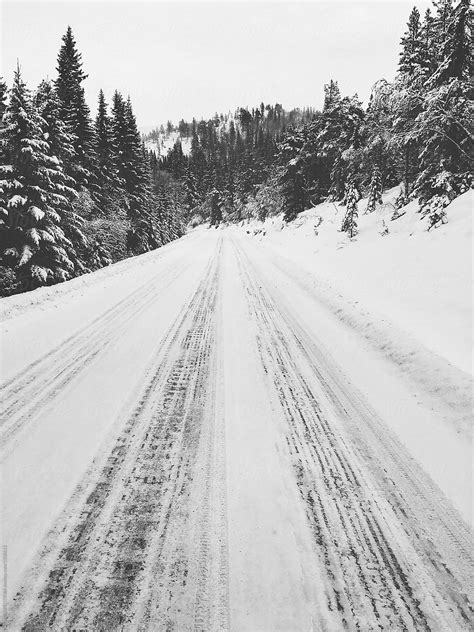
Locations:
415 131
77 194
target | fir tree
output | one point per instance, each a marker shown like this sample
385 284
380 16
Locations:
3 149
107 193
230 191
378 130
216 212
428 50
191 189
411 56
133 157
444 11
60 141
408 101
3 105
38 229
134 171
74 110
442 126
103 133
292 179
119 134
3 98
456 46
349 224
375 191
332 95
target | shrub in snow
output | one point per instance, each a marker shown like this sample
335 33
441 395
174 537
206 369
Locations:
446 187
401 201
8 281
317 224
384 230
435 211
195 220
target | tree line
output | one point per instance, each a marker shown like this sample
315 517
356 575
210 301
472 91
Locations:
416 130
75 193
230 157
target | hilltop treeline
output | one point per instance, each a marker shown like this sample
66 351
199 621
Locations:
416 130
230 156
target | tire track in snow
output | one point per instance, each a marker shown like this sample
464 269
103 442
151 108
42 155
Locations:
395 554
135 557
211 606
46 378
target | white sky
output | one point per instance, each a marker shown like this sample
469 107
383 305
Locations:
184 59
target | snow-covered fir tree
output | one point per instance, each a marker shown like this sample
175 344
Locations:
74 110
108 190
60 140
39 230
349 223
216 212
375 191
332 95
428 44
443 126
411 55
3 98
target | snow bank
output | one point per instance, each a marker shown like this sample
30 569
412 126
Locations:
16 305
408 292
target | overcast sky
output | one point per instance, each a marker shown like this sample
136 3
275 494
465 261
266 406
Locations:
184 59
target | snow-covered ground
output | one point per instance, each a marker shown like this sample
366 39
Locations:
418 281
246 431
166 142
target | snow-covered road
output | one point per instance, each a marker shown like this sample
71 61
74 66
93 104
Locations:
193 440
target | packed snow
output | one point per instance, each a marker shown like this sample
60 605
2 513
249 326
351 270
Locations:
293 408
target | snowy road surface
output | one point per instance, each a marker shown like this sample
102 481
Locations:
191 440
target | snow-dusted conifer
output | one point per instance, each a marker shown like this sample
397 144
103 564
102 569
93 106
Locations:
38 229
216 212
191 190
107 191
411 55
349 224
3 98
60 140
332 95
3 157
375 191
428 46
74 110
442 18
292 176
443 125
230 190
136 183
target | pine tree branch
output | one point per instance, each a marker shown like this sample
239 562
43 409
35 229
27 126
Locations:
440 132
